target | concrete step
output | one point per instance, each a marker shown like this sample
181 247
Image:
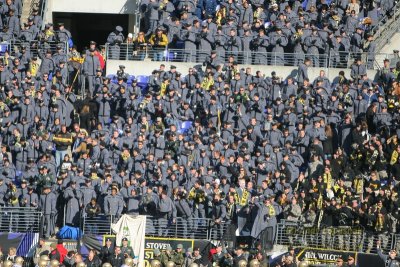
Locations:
393 44
26 9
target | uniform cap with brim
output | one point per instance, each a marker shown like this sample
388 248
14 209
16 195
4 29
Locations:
157 252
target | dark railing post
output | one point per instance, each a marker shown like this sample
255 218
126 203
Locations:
10 221
111 222
176 228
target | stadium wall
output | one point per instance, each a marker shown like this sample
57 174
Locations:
93 6
146 67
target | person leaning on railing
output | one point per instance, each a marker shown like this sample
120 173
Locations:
159 41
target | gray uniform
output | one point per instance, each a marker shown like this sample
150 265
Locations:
115 39
73 198
278 41
47 205
113 205
90 66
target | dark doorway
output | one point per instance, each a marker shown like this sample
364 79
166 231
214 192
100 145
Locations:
86 27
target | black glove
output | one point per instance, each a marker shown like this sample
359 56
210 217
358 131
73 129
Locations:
314 41
279 41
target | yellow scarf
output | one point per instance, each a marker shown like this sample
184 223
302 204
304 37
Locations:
328 180
394 157
271 211
125 156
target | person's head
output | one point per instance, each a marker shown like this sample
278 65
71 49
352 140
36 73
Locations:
53 246
92 253
350 260
114 190
239 251
117 250
179 248
12 251
78 258
392 254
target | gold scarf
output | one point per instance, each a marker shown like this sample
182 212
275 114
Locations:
125 156
394 157
328 180
163 90
243 200
359 185
271 211
320 201
379 223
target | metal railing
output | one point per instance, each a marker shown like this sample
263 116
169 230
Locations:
386 28
194 228
347 238
19 220
99 225
329 60
35 46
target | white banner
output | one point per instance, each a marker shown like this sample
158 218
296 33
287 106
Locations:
133 228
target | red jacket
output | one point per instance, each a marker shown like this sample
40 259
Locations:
63 252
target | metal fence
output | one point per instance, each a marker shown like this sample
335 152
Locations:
339 238
329 60
33 47
194 228
20 220
387 27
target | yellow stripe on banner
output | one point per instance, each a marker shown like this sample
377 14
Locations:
154 238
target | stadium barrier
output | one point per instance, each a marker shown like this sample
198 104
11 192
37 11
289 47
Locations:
20 220
349 238
387 27
35 46
126 51
193 228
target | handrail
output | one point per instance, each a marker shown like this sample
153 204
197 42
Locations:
390 27
126 51
42 9
350 238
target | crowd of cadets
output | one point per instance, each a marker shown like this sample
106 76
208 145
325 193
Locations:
259 148
301 28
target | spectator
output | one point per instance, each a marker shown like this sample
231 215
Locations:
159 41
12 254
117 259
115 39
54 253
92 260
41 249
